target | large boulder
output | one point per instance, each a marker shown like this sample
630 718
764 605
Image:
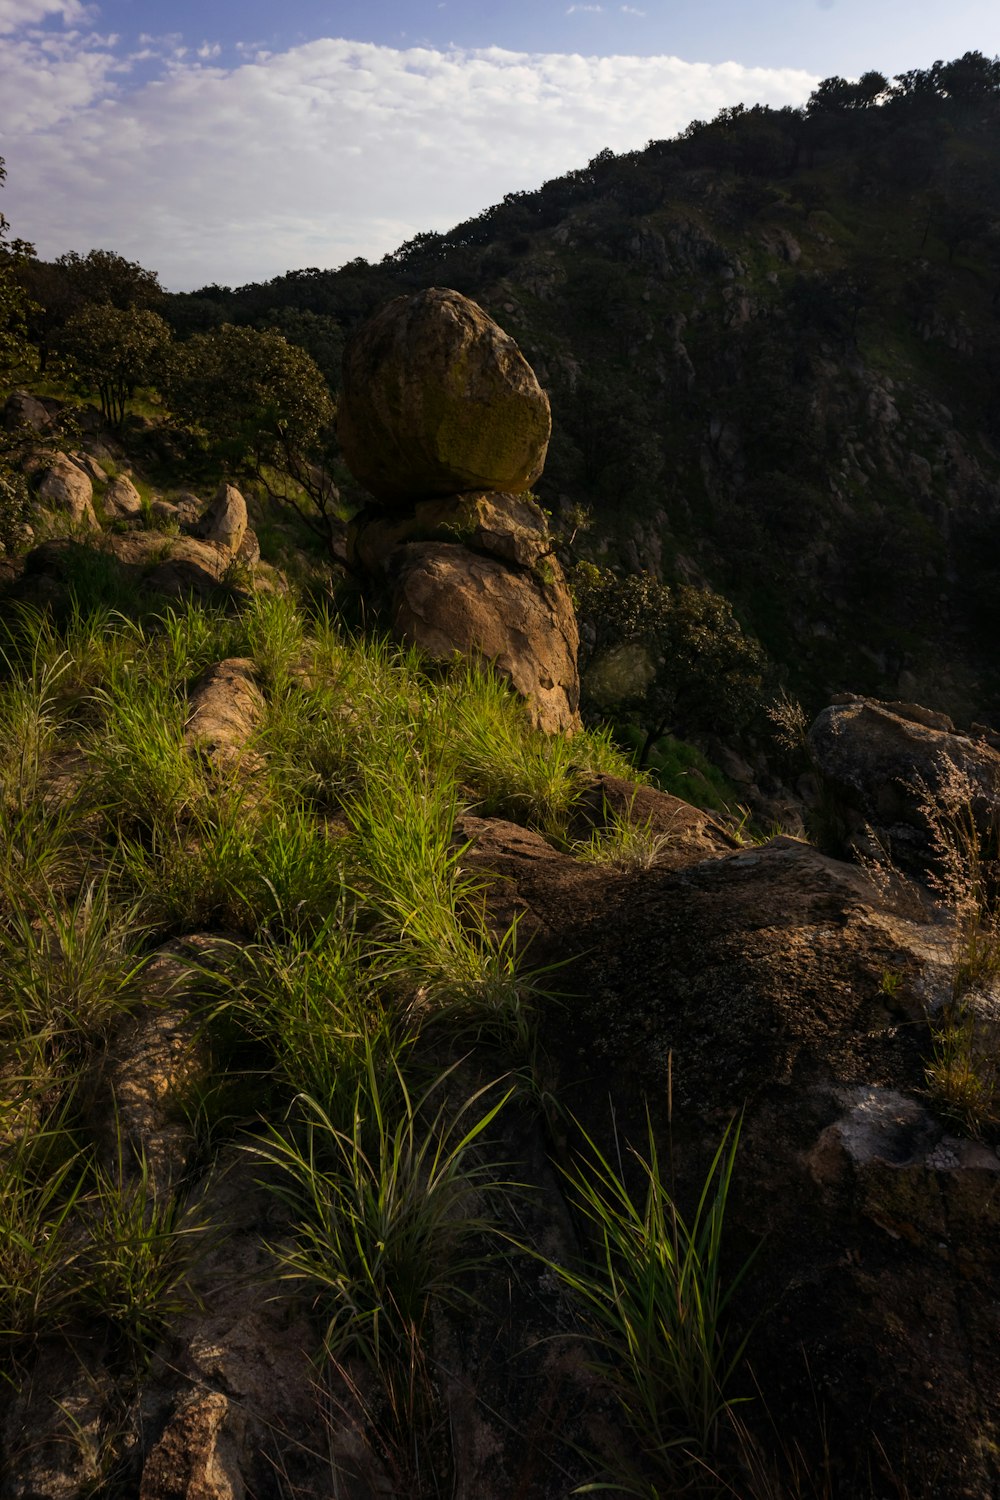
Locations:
475 575
753 987
24 410
437 399
65 488
881 763
225 521
449 601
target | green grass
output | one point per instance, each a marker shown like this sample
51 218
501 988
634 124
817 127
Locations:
389 1210
623 844
361 960
39 1236
653 1297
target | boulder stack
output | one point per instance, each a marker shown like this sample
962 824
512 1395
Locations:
444 423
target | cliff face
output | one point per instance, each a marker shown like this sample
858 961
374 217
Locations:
771 349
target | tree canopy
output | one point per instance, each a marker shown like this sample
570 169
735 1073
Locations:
114 350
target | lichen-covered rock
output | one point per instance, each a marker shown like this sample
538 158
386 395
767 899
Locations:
65 488
94 470
197 1456
437 399
225 521
449 601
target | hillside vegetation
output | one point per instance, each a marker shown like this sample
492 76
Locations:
396 1100
771 347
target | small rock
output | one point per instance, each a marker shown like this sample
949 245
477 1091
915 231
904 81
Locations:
189 507
197 1458
226 707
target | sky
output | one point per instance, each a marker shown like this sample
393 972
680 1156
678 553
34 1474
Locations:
231 140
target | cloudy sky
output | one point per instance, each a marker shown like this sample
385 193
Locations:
231 140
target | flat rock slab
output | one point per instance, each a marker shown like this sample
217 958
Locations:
753 982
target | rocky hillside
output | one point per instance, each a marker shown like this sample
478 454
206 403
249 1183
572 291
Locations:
771 348
400 1100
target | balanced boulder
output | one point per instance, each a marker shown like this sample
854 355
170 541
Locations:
438 399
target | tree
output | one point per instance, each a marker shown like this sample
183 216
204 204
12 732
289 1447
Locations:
263 405
838 95
61 288
14 303
114 350
321 336
14 352
106 277
694 669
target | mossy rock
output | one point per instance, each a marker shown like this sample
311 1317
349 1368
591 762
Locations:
437 400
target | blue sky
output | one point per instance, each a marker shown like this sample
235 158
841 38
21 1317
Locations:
824 36
230 142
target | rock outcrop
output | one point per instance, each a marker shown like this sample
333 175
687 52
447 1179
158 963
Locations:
438 399
754 980
880 762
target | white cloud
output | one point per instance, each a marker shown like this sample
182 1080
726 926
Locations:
17 13
631 10
571 10
313 156
52 79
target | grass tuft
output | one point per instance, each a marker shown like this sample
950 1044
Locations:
654 1298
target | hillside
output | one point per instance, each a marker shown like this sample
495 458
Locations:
772 349
403 1091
